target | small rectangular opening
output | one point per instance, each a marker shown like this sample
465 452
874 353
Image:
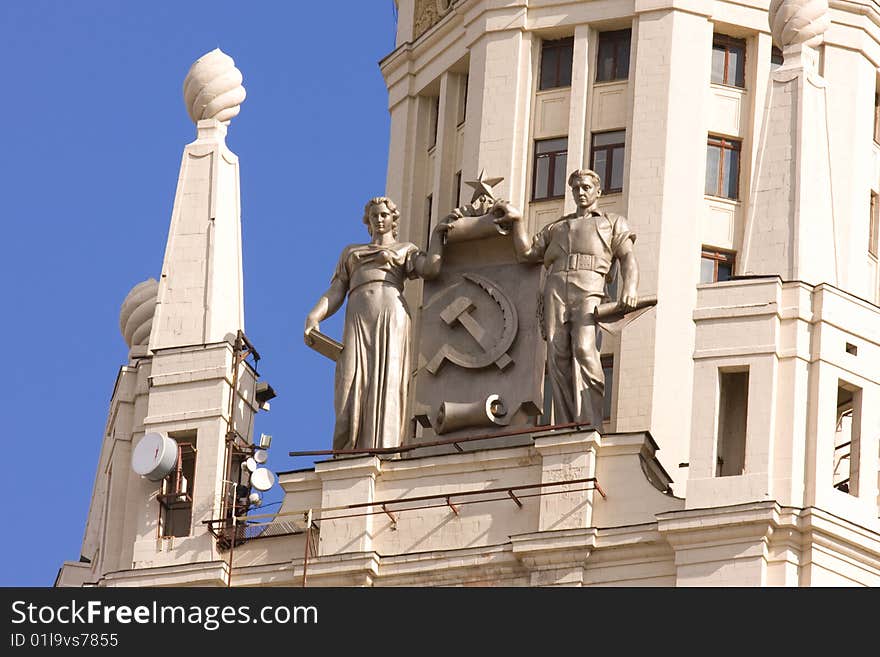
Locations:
847 434
733 406
176 496
852 349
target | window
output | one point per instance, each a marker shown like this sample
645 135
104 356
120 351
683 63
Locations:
722 167
456 189
874 224
608 370
549 168
716 265
462 101
429 202
613 59
556 59
877 116
728 61
733 407
175 498
847 438
435 117
775 58
606 159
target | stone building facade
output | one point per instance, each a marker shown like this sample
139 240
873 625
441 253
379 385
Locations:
742 445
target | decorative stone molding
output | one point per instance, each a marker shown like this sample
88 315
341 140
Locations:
212 88
795 22
428 13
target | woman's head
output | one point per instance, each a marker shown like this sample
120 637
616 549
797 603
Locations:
377 212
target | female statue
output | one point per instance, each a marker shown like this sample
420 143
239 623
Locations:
373 369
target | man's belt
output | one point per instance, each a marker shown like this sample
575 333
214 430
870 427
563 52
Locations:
582 261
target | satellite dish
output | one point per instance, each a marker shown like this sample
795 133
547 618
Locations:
255 499
155 456
263 479
250 464
261 455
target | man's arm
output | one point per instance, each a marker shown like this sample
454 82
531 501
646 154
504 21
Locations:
524 248
629 271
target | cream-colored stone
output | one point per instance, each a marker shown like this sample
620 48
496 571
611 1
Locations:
808 166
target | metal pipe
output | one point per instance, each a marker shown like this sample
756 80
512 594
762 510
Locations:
231 552
440 496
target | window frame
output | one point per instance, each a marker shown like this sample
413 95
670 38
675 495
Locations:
717 254
551 173
729 42
725 144
609 148
615 37
560 44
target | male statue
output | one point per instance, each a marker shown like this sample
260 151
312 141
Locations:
577 251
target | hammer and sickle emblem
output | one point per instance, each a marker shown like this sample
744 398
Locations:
494 350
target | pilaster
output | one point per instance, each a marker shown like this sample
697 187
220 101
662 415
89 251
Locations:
345 482
790 229
567 456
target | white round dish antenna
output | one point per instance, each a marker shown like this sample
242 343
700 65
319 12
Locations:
155 456
255 499
250 464
263 479
261 455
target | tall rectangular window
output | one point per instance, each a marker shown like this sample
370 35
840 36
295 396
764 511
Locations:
874 224
551 157
556 59
429 202
608 370
435 119
606 158
847 438
462 101
733 407
722 167
176 495
728 61
613 57
456 189
877 116
716 265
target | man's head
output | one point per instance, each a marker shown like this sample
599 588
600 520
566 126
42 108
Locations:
585 187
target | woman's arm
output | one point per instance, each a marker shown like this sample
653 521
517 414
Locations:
328 304
427 265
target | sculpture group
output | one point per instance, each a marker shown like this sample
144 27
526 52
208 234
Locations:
373 367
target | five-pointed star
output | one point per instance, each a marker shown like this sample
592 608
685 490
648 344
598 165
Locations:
483 185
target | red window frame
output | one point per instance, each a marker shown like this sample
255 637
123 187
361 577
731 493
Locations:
738 80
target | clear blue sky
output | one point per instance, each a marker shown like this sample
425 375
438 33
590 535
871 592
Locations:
93 126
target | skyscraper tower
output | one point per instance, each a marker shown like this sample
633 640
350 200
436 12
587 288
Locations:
741 434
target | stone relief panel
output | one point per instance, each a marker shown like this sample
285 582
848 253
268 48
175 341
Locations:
428 13
480 352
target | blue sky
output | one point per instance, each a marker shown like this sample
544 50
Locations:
93 126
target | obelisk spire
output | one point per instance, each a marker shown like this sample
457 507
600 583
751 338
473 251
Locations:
200 290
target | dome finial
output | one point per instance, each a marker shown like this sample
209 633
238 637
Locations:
794 22
212 88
